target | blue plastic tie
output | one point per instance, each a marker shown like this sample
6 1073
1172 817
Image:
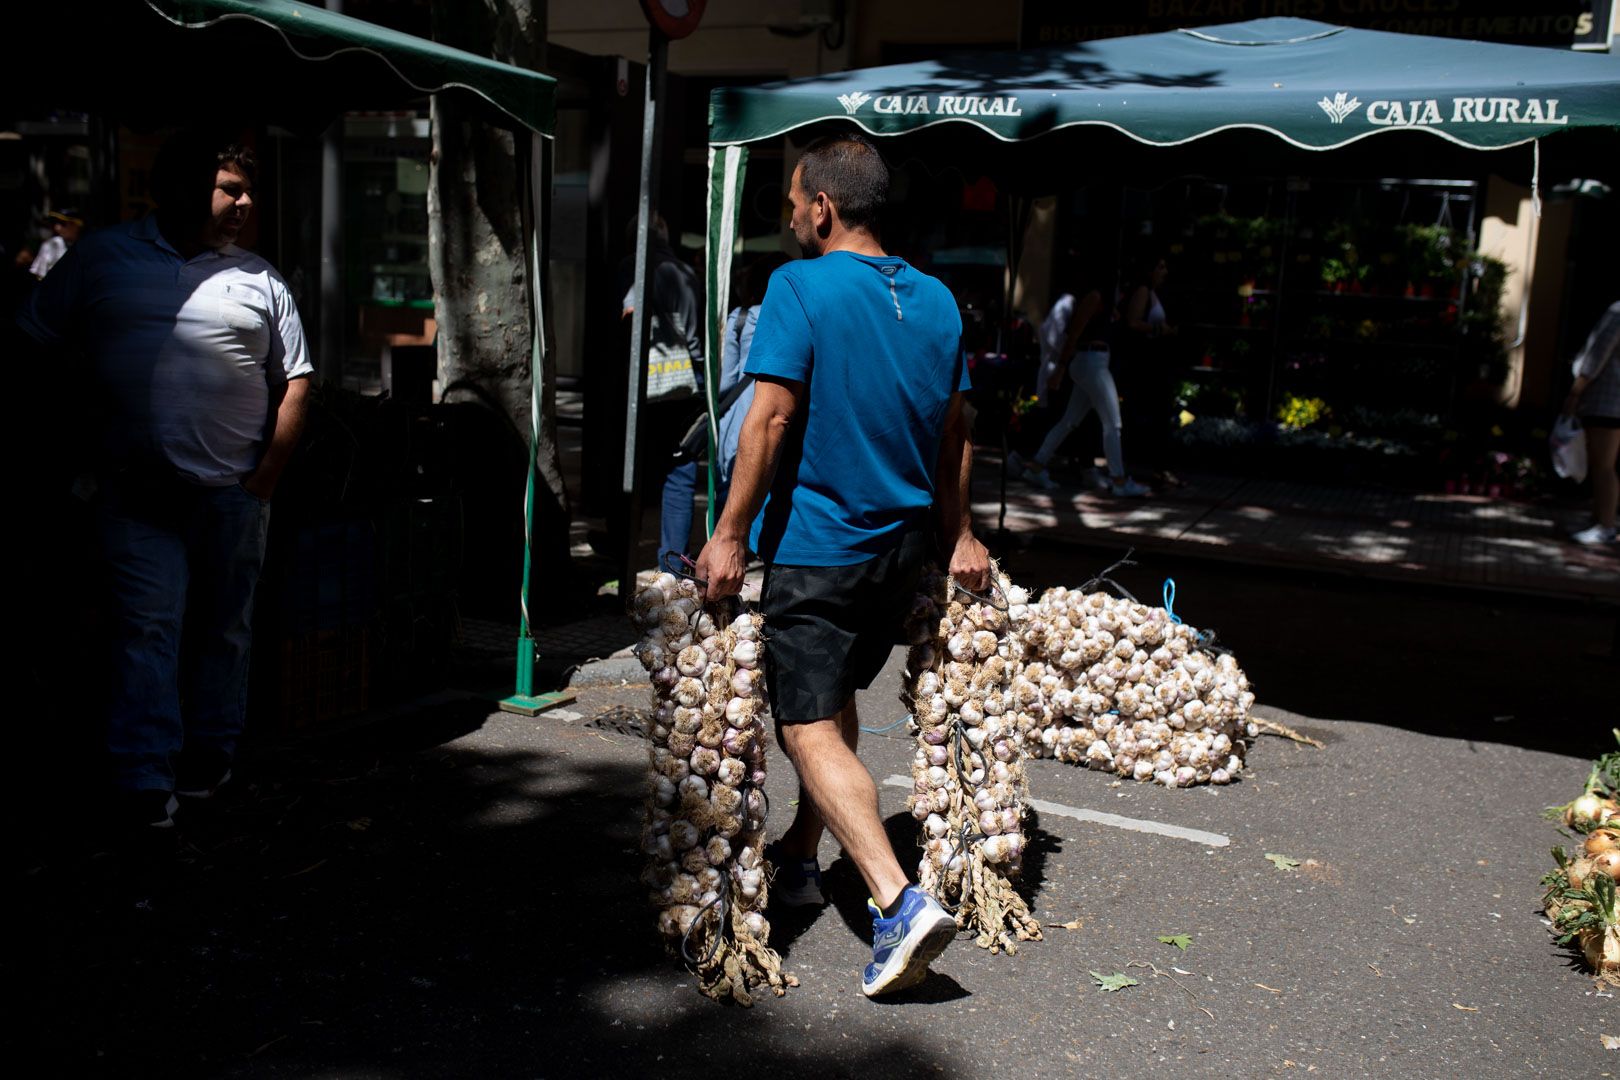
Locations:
885 727
1170 599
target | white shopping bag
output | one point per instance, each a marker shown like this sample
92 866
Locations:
1568 444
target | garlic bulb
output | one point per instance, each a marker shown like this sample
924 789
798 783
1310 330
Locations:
704 824
968 772
1126 668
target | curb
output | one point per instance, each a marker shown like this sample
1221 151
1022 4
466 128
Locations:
613 671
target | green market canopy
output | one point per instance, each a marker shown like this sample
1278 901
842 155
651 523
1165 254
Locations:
311 33
1312 85
282 61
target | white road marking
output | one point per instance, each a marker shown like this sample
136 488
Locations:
1098 817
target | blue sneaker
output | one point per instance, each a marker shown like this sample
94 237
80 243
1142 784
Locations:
797 882
904 946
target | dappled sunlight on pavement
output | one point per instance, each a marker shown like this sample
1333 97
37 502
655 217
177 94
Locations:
1442 539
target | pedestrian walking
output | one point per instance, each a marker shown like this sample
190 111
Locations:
1075 345
200 372
1144 365
740 324
854 451
676 341
1595 398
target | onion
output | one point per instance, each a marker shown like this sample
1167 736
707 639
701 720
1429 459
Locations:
1584 809
1600 840
1607 863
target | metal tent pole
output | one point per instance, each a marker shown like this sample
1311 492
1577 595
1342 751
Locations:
641 328
534 171
727 165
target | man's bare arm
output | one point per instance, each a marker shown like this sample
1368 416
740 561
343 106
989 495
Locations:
286 427
953 477
777 402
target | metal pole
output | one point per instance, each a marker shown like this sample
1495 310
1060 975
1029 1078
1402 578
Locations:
534 183
329 359
641 328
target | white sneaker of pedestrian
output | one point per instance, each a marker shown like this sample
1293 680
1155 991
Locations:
1596 534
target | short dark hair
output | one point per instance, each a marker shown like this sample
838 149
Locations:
183 174
852 173
658 229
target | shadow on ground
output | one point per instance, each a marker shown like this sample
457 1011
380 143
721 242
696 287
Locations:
387 903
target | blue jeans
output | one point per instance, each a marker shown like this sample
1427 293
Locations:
675 518
182 564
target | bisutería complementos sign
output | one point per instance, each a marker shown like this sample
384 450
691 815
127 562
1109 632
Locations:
1436 112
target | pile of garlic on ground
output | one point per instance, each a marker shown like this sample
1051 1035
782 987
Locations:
705 812
968 773
1121 686
1580 898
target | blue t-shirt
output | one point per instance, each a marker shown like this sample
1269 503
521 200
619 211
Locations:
879 344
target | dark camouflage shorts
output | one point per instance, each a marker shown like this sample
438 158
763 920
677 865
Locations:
829 629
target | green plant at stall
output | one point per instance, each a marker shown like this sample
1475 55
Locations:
1345 271
1485 347
1429 251
1209 399
1187 393
1298 413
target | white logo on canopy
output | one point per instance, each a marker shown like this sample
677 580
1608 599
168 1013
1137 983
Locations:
1339 107
852 102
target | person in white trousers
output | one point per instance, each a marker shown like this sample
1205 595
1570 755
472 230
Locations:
1074 338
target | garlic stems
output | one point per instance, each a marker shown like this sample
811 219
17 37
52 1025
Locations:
968 771
704 823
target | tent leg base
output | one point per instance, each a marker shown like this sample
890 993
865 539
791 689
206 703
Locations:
535 704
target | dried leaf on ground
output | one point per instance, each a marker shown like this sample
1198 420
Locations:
1072 924
1110 983
1463 1008
1180 941
1610 1042
1283 862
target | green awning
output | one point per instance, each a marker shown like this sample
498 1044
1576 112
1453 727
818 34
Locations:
313 33
1314 85
161 62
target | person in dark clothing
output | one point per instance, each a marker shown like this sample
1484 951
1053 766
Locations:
1076 345
1144 365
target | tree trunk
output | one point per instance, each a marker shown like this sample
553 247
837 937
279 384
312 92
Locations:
478 258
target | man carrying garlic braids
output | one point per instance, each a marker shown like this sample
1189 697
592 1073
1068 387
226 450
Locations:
855 450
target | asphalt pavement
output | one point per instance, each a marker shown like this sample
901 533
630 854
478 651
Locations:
450 891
